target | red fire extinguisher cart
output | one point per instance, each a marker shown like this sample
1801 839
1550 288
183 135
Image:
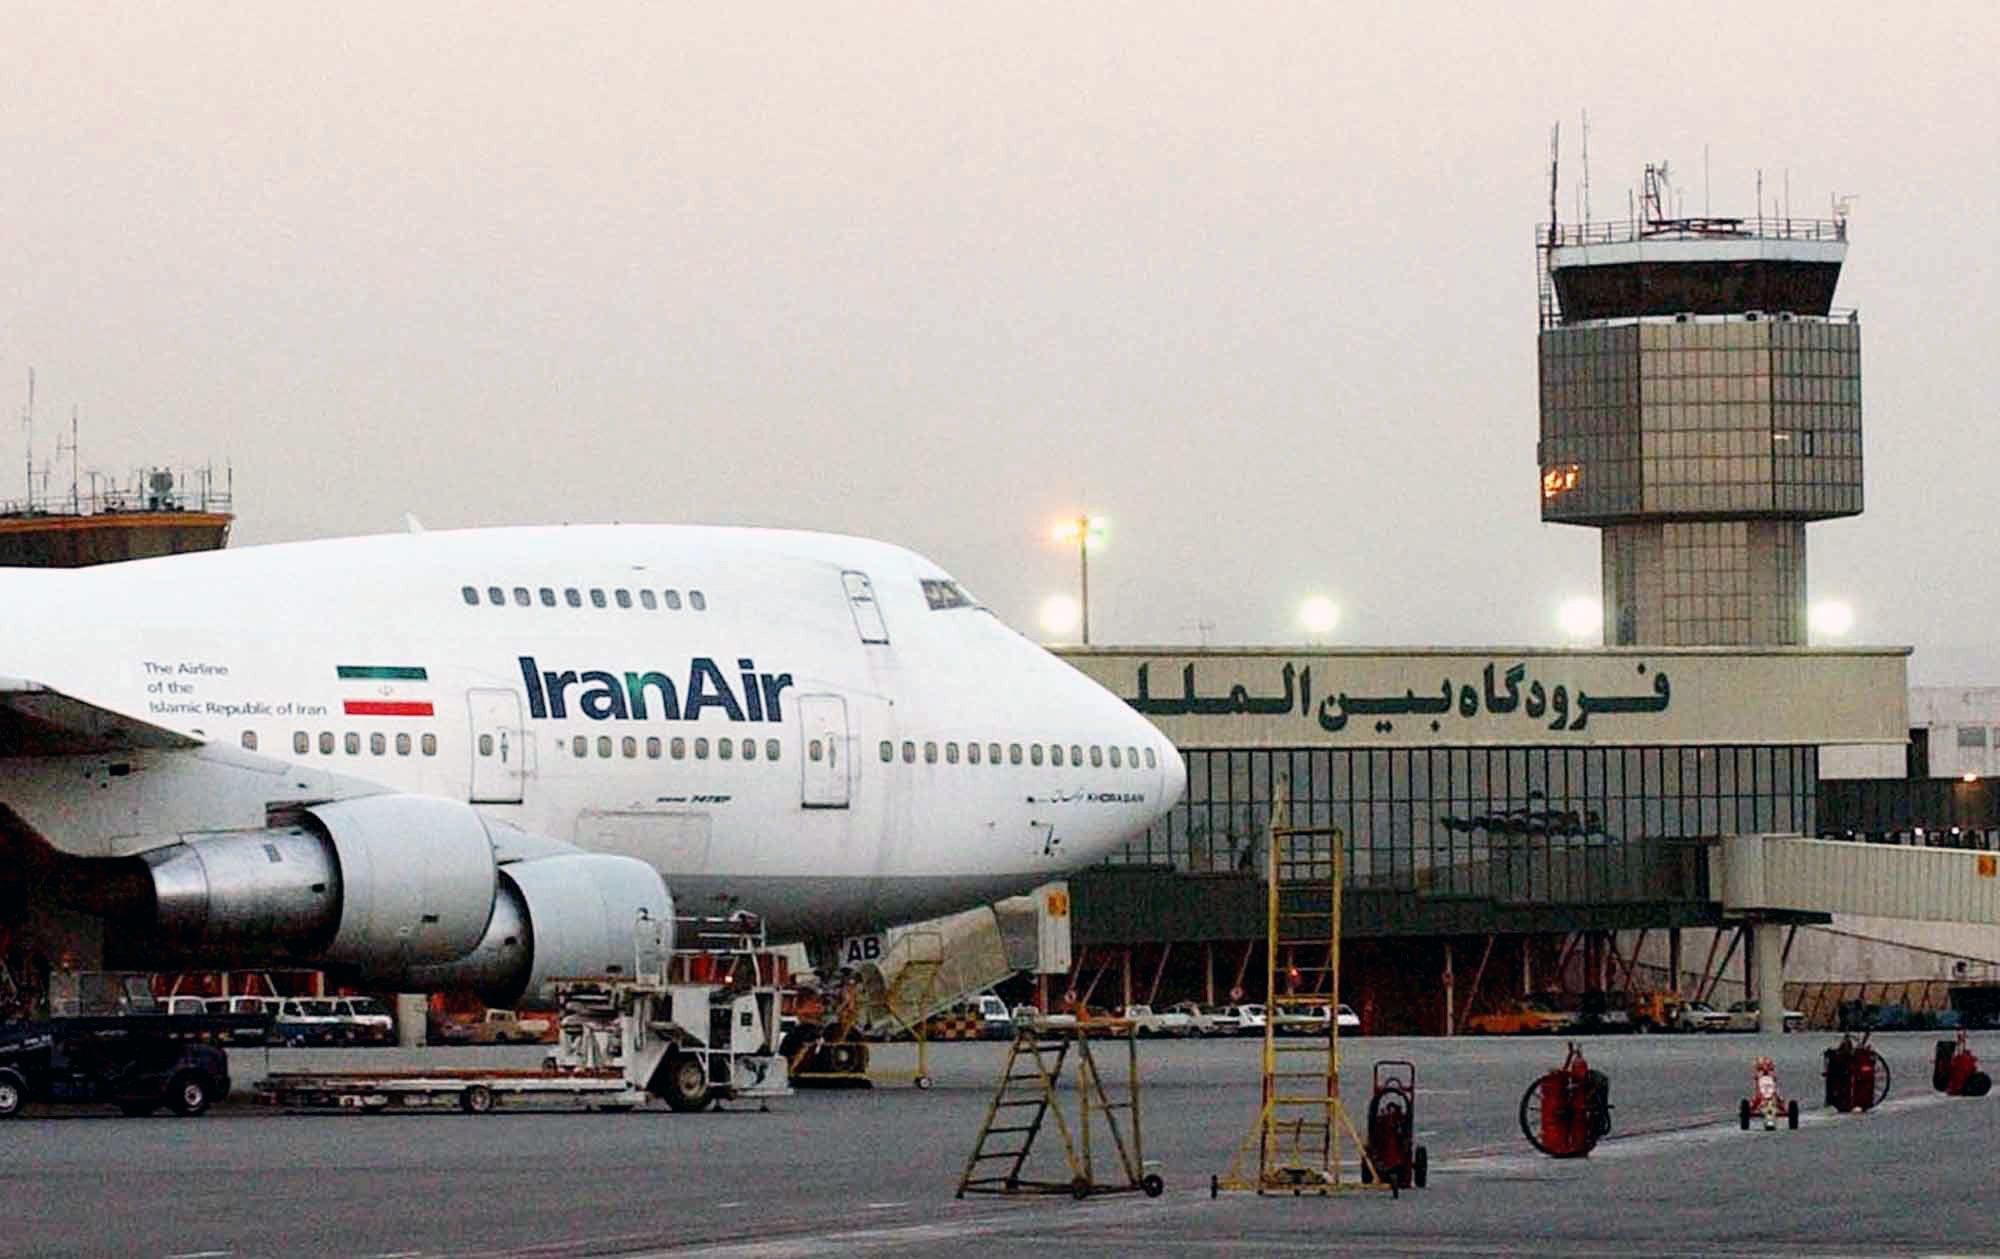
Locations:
1857 1078
1393 1152
1567 1111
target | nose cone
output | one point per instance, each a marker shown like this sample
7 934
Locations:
1173 782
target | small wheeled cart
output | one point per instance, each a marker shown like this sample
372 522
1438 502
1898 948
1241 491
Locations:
1393 1152
1765 1100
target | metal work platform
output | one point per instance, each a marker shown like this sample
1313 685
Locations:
1297 1144
1028 1095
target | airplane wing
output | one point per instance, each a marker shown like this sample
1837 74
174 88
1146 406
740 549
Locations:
38 720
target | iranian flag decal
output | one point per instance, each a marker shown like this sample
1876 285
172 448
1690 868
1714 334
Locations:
393 690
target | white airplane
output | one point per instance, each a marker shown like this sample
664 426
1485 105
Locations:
471 758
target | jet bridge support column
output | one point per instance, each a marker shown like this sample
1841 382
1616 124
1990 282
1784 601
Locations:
1768 947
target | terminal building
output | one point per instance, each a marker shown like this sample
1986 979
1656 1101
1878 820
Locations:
1512 819
1516 819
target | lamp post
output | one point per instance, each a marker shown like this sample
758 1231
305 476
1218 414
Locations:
1087 531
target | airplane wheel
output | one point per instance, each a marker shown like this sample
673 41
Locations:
1421 1171
1743 1114
1792 1116
1152 1184
926 1083
1079 1188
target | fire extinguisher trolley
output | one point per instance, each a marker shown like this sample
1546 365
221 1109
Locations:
1955 1070
1393 1152
1857 1078
1567 1111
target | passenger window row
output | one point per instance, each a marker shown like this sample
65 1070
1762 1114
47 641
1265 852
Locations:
1033 753
579 746
574 597
350 743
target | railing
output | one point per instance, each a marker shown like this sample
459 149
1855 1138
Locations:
151 490
1621 231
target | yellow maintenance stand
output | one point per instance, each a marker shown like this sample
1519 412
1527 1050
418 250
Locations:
1028 1096
1298 1143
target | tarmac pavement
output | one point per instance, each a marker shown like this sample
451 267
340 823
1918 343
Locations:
874 1172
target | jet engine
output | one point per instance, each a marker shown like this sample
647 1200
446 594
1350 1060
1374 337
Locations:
555 917
403 890
380 883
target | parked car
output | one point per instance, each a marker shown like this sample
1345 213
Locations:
1223 1020
1201 1022
1249 1020
1348 1019
1742 1017
1699 1016
111 1062
1528 1016
1147 1021
497 1027
366 1021
1028 1015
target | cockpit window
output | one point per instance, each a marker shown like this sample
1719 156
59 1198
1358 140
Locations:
946 594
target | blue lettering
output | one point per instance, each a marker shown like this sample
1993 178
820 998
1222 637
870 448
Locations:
604 701
602 695
707 688
670 703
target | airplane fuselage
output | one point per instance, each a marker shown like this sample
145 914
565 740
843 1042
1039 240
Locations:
823 729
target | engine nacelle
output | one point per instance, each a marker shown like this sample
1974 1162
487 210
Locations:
558 917
380 883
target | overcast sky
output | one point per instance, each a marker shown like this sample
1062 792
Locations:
1254 282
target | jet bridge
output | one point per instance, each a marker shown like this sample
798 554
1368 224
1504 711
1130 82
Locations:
1766 879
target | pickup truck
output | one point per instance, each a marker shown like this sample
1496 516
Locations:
498 1027
137 1063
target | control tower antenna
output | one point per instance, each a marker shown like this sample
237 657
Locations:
75 494
28 437
1555 161
1586 165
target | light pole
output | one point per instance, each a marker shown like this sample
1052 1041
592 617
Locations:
1088 531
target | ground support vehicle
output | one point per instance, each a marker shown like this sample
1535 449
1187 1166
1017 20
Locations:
624 1041
1765 1100
1566 1112
137 1062
1393 1152
1955 1070
1857 1078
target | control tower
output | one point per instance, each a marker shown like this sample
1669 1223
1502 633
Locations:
1700 405
163 511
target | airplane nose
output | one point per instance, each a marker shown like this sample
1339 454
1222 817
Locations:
1173 779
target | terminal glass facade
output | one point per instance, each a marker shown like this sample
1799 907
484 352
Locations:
1444 819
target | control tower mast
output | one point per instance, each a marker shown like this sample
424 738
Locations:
1700 404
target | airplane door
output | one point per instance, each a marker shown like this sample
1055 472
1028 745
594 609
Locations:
867 612
499 754
824 751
